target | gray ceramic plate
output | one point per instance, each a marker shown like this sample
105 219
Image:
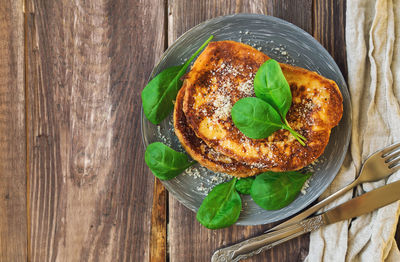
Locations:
286 43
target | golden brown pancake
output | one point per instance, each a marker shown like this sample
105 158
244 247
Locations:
223 74
201 152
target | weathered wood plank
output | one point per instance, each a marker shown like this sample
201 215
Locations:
90 190
328 28
192 242
183 15
295 12
158 234
13 214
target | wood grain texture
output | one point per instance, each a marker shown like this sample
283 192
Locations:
183 15
296 12
327 29
158 234
13 214
90 190
193 242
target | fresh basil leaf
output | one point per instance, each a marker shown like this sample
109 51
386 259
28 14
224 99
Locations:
221 207
159 93
243 185
273 191
271 86
255 118
164 162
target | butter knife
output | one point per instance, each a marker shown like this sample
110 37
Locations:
363 204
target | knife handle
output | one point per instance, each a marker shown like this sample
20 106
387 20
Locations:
256 245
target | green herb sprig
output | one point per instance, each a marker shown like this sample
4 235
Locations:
255 118
221 207
243 185
270 190
258 117
159 93
164 162
273 191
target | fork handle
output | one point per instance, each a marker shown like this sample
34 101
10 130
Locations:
256 245
306 213
225 254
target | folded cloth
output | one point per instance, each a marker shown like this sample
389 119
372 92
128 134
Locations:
373 58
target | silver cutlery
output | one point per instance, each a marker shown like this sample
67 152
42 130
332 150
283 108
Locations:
363 204
378 166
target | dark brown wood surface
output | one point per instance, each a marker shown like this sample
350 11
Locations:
329 18
74 185
13 223
90 190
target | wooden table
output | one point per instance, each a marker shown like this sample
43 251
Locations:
74 186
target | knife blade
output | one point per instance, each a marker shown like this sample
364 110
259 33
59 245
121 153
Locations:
363 204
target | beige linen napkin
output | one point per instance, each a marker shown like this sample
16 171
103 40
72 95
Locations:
373 58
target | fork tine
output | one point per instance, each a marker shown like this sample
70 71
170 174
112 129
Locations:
390 148
391 157
393 161
394 168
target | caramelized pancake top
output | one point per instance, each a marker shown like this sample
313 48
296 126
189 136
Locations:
201 152
223 74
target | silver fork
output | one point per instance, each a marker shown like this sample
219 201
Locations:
379 165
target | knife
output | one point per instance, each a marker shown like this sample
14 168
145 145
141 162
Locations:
363 204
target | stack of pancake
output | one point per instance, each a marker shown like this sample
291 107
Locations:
223 74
